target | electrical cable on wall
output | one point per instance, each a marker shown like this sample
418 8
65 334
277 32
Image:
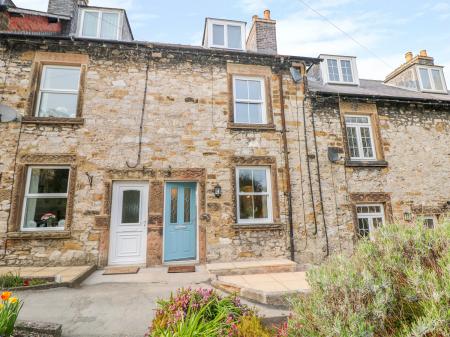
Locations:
141 125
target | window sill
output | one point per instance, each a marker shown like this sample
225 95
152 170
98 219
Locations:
52 120
258 127
362 163
39 235
258 227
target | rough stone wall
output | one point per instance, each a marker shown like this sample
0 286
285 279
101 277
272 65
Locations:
263 36
414 139
185 127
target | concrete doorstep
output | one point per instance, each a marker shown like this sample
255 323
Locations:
37 329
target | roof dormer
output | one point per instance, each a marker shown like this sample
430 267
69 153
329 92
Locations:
225 34
337 69
419 73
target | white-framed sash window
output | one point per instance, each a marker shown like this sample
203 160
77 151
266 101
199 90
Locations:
45 198
339 70
431 79
100 24
254 194
360 139
59 89
369 217
249 100
226 34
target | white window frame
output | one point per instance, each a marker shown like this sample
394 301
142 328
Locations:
326 75
42 90
225 24
358 127
370 216
433 85
42 195
430 217
269 218
99 23
262 101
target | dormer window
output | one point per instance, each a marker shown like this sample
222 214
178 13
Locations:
100 24
224 34
339 70
431 79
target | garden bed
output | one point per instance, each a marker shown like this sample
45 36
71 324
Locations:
17 282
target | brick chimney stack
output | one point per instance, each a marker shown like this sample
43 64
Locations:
65 7
263 35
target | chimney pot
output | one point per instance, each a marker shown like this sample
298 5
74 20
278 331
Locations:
408 56
267 14
423 53
254 17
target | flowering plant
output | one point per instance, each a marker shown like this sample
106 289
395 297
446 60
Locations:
49 218
9 310
200 312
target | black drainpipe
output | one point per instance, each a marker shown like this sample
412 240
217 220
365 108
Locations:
287 169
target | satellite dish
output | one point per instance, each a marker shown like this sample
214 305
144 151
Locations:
8 114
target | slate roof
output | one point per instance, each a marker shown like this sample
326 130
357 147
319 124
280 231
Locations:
375 89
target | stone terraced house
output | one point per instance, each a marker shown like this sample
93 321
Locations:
120 152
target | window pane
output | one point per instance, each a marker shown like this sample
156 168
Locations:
377 222
45 212
187 204
260 205
241 89
58 105
426 83
346 68
429 223
173 204
218 35
246 207
61 78
259 181
242 113
366 143
90 24
436 74
234 37
109 26
254 88
333 71
245 181
48 180
255 113
363 226
130 206
352 142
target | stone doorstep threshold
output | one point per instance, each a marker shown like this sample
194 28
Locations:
37 329
278 299
252 267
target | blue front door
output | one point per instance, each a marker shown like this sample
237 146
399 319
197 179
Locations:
180 222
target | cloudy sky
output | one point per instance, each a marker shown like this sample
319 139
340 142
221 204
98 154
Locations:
385 28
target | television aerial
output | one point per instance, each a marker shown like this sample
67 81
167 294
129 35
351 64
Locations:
8 114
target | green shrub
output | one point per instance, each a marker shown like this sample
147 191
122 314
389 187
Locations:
397 284
203 313
10 280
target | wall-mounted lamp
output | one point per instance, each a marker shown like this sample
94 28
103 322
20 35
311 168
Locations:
407 216
217 191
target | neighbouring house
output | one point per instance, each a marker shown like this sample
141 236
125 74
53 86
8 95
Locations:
137 153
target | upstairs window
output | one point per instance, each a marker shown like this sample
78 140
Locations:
100 24
45 199
58 92
339 70
432 79
226 34
249 100
359 137
369 218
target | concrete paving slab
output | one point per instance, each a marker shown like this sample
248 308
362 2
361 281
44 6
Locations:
69 274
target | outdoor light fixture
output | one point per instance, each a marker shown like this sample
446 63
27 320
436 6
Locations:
407 216
217 191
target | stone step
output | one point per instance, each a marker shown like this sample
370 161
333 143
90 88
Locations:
270 288
252 267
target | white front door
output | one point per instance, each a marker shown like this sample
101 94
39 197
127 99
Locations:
128 232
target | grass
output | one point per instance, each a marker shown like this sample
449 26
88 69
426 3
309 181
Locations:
10 281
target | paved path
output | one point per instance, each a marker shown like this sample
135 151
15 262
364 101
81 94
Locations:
113 305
